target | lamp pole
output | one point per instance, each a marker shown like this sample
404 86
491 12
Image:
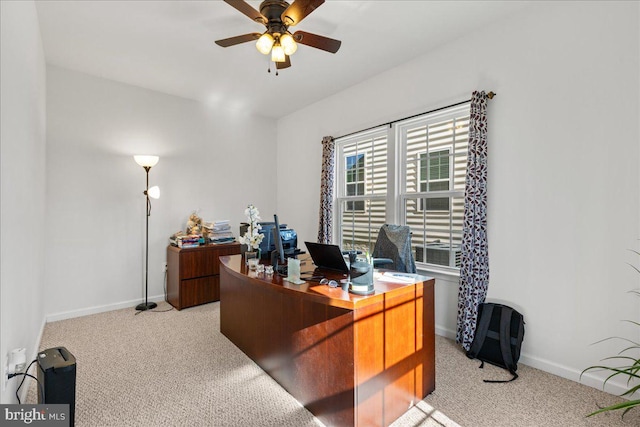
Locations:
146 305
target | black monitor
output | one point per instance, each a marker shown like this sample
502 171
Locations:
278 253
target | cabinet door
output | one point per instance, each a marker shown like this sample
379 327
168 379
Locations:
199 291
203 261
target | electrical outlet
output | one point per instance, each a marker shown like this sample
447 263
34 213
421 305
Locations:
164 267
16 362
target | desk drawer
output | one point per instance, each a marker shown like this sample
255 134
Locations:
197 263
199 291
203 261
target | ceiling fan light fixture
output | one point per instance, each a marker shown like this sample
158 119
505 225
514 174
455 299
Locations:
264 43
288 44
277 16
277 53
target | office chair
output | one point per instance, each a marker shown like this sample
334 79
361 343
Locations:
393 249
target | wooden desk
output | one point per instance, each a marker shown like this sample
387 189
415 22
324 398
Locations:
350 360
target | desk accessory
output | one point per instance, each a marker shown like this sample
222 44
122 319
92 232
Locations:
293 270
253 263
361 278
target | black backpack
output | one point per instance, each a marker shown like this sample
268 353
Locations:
499 334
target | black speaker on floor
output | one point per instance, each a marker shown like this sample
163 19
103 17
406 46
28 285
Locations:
57 375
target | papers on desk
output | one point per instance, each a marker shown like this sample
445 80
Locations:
395 277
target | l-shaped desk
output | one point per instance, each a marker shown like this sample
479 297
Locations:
350 360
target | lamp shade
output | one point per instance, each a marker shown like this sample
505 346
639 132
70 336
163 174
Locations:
154 192
264 43
277 53
288 44
146 161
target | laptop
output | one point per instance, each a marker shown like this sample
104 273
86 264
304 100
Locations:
327 256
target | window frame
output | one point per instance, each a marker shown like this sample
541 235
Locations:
402 195
396 196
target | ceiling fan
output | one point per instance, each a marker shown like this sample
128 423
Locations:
277 16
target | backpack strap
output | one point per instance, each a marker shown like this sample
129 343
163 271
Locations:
505 344
481 331
519 336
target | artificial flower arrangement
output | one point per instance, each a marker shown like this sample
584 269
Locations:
252 237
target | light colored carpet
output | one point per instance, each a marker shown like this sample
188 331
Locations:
175 368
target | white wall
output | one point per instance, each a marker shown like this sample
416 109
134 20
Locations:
564 187
22 157
210 159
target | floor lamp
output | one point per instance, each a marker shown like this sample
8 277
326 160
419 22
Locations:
147 162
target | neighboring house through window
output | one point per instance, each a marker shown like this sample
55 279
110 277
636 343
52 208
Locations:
355 181
435 176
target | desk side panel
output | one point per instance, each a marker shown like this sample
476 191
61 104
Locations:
369 338
307 347
323 364
425 318
395 355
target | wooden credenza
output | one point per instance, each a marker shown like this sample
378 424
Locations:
350 360
193 274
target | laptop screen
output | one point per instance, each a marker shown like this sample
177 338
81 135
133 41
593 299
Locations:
327 256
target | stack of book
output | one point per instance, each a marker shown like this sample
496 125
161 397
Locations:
182 240
219 231
190 241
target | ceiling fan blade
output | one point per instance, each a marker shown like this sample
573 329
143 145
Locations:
285 64
232 41
298 10
319 42
248 10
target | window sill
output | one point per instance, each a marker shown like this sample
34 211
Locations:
450 275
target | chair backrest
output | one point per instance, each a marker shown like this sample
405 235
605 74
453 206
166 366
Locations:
394 242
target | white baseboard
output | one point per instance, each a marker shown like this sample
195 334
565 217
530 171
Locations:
444 332
615 386
589 379
99 309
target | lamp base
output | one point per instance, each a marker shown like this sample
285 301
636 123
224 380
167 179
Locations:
146 306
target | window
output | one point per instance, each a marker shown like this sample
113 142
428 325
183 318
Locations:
411 173
355 181
361 189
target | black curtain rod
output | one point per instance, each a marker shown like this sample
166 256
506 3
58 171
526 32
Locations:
490 95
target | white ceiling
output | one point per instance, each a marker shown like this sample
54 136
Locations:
168 46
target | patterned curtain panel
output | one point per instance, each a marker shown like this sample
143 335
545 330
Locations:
474 267
325 232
